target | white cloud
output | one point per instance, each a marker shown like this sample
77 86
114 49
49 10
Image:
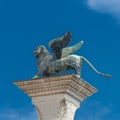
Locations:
13 114
93 111
111 7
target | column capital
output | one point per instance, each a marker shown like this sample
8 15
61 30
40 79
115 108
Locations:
54 96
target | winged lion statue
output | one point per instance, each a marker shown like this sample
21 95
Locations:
62 59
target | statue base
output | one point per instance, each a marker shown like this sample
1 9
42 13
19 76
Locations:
57 98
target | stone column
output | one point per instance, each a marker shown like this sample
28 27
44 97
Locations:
57 98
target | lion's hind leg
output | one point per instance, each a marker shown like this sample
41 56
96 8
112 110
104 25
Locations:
76 67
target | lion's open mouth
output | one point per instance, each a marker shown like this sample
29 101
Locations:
35 53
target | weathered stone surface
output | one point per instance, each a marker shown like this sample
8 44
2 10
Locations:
56 98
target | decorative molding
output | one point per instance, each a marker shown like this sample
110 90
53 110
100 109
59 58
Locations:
69 84
56 98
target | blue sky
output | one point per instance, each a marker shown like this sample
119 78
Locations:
25 24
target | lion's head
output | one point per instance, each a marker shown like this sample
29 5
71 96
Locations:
40 51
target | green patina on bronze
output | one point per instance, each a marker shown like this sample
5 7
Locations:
62 59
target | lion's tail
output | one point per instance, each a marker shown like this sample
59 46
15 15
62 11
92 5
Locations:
94 69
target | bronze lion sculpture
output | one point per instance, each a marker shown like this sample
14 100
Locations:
48 66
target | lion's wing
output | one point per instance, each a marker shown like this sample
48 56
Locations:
70 50
59 43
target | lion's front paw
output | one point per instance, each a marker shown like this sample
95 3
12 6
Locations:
36 76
